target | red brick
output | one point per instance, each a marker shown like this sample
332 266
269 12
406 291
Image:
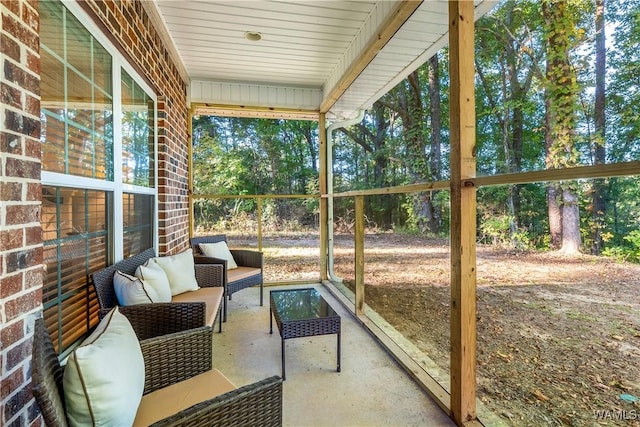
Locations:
21 32
33 148
11 382
19 123
33 278
16 308
34 191
10 95
17 404
10 47
24 259
11 239
13 6
10 191
31 18
12 333
32 105
33 235
22 214
17 75
22 168
11 285
10 143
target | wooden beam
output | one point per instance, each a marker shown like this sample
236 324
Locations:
411 188
567 174
396 19
248 111
463 211
259 215
256 196
324 203
190 170
359 255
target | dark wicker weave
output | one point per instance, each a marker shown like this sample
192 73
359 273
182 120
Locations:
242 257
298 328
207 275
168 359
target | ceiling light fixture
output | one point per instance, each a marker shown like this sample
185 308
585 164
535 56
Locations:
252 36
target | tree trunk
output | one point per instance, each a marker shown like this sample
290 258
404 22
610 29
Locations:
570 222
561 92
600 155
553 196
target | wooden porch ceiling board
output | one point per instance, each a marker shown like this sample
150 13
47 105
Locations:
351 51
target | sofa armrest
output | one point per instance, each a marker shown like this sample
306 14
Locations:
247 258
257 404
152 320
172 358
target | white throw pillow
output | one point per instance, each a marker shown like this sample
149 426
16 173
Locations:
104 378
132 290
219 250
180 270
151 274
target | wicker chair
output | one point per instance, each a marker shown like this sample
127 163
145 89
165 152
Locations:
168 359
242 257
206 275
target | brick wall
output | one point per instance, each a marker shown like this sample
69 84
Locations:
126 23
129 27
20 194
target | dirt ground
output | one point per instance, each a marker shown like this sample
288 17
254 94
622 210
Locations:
558 337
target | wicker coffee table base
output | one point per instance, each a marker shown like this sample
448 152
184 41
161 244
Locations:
304 328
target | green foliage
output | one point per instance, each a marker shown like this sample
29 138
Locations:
629 252
393 145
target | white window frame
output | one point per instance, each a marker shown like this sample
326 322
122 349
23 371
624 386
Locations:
116 187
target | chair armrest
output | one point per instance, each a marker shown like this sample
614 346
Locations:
247 258
172 358
201 259
257 404
152 320
208 275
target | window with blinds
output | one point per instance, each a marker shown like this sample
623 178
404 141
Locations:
138 225
98 168
75 234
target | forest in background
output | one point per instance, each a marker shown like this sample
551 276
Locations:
557 86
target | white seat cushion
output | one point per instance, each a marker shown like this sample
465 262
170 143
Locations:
104 378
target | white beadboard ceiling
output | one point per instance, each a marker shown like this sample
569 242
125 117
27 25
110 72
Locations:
305 51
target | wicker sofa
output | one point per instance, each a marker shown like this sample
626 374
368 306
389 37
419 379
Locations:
248 273
173 363
210 278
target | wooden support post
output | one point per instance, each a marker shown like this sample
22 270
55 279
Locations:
259 213
359 255
463 211
324 215
190 170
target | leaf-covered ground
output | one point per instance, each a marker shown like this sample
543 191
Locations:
558 337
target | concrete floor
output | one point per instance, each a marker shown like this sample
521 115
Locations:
370 390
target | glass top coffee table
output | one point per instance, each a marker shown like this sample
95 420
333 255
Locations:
302 313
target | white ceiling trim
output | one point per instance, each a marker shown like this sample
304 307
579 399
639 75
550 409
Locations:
246 94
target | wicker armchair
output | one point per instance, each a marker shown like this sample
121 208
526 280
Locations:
242 257
168 359
207 275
